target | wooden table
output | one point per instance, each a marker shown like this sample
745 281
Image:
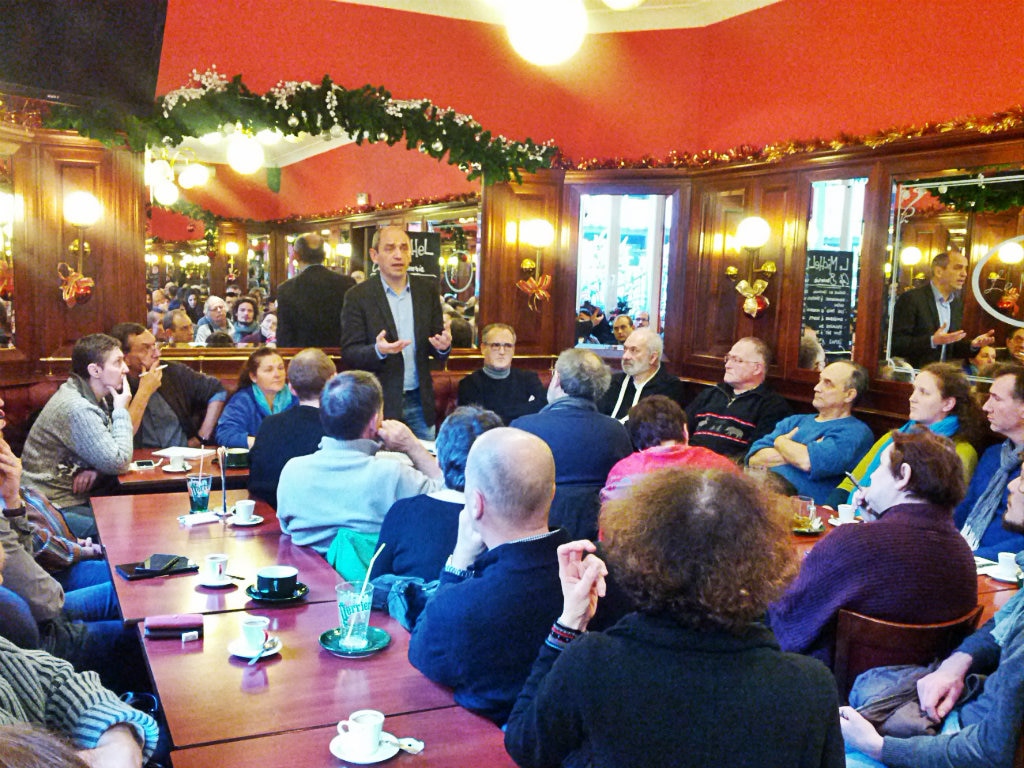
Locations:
136 523
134 527
210 696
454 738
158 481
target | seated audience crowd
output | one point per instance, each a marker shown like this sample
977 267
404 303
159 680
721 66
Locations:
603 503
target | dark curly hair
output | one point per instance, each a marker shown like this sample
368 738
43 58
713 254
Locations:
708 548
936 471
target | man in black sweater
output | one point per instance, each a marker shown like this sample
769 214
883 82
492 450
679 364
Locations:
499 387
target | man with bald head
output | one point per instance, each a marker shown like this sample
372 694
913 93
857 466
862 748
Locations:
499 591
391 325
642 376
309 305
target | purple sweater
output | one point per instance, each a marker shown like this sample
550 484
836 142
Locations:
910 566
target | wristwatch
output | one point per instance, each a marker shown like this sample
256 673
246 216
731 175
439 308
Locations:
462 573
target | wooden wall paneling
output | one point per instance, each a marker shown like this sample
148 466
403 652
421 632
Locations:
550 328
775 202
229 232
47 167
27 225
713 317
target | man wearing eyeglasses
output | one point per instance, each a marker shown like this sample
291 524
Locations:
509 392
728 417
171 404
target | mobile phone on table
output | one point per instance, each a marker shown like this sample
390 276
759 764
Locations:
143 464
157 565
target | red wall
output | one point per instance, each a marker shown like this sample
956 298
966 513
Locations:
797 69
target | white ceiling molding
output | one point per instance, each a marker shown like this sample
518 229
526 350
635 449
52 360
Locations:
653 14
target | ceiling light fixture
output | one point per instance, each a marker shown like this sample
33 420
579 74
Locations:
546 32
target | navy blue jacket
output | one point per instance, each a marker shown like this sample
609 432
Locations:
480 635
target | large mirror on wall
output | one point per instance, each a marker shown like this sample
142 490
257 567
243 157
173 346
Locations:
955 249
622 265
834 232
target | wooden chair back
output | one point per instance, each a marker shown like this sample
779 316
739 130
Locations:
863 642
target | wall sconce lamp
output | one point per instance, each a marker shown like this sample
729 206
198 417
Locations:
752 233
538 233
1011 253
81 210
232 249
910 256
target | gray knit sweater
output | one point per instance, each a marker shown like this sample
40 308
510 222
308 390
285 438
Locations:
75 432
38 688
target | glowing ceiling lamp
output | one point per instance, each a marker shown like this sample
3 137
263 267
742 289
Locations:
245 154
546 32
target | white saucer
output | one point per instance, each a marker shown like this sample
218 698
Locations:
239 648
998 575
215 584
169 468
837 521
254 520
388 748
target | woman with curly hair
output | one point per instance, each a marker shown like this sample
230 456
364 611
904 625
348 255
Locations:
262 390
692 678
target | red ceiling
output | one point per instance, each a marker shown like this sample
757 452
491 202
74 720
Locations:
795 69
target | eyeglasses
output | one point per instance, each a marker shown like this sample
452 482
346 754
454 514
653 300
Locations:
738 360
501 346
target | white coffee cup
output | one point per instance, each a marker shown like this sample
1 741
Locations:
177 463
1008 565
215 567
244 510
254 632
847 513
361 732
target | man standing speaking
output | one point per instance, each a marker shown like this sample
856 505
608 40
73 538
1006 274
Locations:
390 325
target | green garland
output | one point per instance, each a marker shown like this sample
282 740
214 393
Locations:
212 102
988 195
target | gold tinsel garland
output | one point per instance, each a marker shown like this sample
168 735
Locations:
1006 120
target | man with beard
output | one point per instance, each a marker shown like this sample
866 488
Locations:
642 376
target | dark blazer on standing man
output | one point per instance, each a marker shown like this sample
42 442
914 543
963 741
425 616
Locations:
915 318
366 312
309 307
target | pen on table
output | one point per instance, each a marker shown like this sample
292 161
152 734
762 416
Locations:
170 564
154 370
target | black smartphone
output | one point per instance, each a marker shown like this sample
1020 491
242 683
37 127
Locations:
144 464
156 565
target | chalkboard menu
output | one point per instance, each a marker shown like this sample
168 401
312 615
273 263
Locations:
827 283
426 248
